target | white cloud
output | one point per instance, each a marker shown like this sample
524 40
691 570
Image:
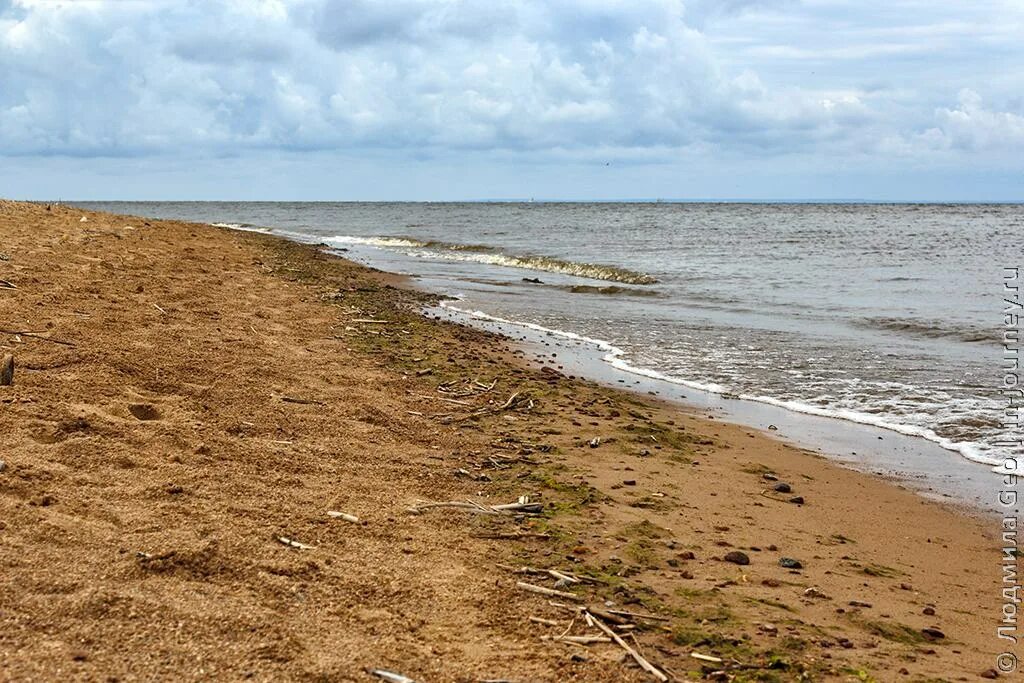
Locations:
641 79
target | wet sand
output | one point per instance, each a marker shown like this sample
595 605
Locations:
185 397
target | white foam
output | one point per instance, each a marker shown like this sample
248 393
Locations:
434 250
615 357
393 242
240 226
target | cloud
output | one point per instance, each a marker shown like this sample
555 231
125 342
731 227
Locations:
642 80
970 126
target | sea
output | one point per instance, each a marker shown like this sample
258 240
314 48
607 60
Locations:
884 315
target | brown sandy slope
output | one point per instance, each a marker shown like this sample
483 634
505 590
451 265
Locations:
215 391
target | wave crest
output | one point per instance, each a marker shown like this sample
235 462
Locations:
476 253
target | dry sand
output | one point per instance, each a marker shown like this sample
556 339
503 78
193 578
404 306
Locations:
189 395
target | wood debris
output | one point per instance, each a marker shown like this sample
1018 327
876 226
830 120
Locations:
343 515
550 592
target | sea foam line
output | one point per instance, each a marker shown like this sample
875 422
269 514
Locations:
478 254
614 356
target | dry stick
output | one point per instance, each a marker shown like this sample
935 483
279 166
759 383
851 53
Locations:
343 515
706 658
512 536
473 507
295 544
644 664
550 592
546 622
390 676
35 335
5 284
533 508
579 640
370 321
303 401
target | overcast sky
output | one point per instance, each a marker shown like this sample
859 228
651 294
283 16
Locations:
463 99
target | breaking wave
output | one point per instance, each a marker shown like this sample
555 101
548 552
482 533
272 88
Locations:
490 256
616 357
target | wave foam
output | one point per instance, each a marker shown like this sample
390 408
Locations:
614 356
486 255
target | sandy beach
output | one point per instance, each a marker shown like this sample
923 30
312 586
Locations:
189 404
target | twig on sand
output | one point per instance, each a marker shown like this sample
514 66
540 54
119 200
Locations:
523 506
390 676
706 658
370 321
6 284
636 615
644 664
35 335
513 536
343 515
579 640
546 622
295 544
159 309
550 592
303 401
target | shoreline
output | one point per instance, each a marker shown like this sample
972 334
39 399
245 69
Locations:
908 460
284 382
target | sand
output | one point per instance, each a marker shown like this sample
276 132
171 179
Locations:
185 396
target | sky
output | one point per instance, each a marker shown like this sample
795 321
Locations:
492 99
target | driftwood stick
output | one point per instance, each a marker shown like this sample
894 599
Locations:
343 515
706 658
554 573
527 507
579 640
420 506
303 401
390 676
35 335
550 592
546 622
513 536
644 664
294 544
6 284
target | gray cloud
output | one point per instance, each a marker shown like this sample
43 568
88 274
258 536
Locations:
644 80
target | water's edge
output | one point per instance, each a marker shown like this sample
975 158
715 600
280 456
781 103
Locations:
907 460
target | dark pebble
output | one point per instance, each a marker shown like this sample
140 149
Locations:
930 611
790 563
932 633
737 557
797 500
783 487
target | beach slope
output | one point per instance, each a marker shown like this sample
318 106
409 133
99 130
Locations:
190 405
